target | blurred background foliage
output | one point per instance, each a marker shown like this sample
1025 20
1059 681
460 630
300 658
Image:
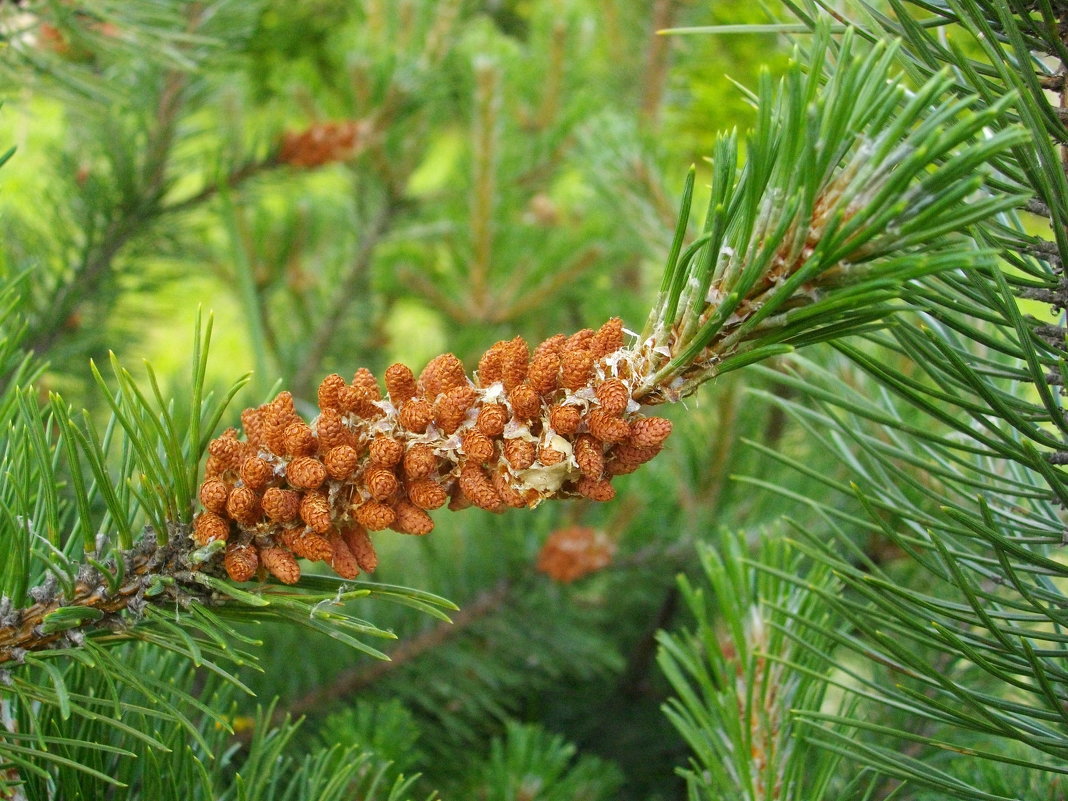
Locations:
511 168
515 170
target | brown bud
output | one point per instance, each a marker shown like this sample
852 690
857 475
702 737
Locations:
416 415
457 500
491 419
608 339
649 432
360 544
490 366
554 345
573 552
380 482
342 559
252 424
213 494
411 519
281 505
256 472
240 561
626 458
590 456
227 449
321 143
452 406
353 400
580 340
299 439
306 472
477 488
613 396
427 493
283 403
543 373
520 453
208 527
548 455
575 368
565 419
229 435
477 446
596 489
287 537
274 435
419 461
400 383
621 467
243 505
515 357
315 511
386 451
340 461
281 564
331 429
526 403
281 409
328 391
214 467
607 427
306 544
504 489
374 515
365 383
443 373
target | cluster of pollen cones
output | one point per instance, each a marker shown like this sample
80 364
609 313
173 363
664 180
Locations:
322 143
575 551
553 423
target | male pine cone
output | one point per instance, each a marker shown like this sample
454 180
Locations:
559 422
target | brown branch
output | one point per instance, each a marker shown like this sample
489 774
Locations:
553 80
509 307
82 284
353 680
440 300
484 196
654 76
23 630
233 180
133 219
116 237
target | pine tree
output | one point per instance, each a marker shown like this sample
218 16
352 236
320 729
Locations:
414 194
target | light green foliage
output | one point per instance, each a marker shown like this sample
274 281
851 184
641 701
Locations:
950 425
886 619
743 679
850 188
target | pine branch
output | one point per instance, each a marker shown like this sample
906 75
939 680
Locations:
850 192
787 258
781 247
231 180
350 682
94 606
